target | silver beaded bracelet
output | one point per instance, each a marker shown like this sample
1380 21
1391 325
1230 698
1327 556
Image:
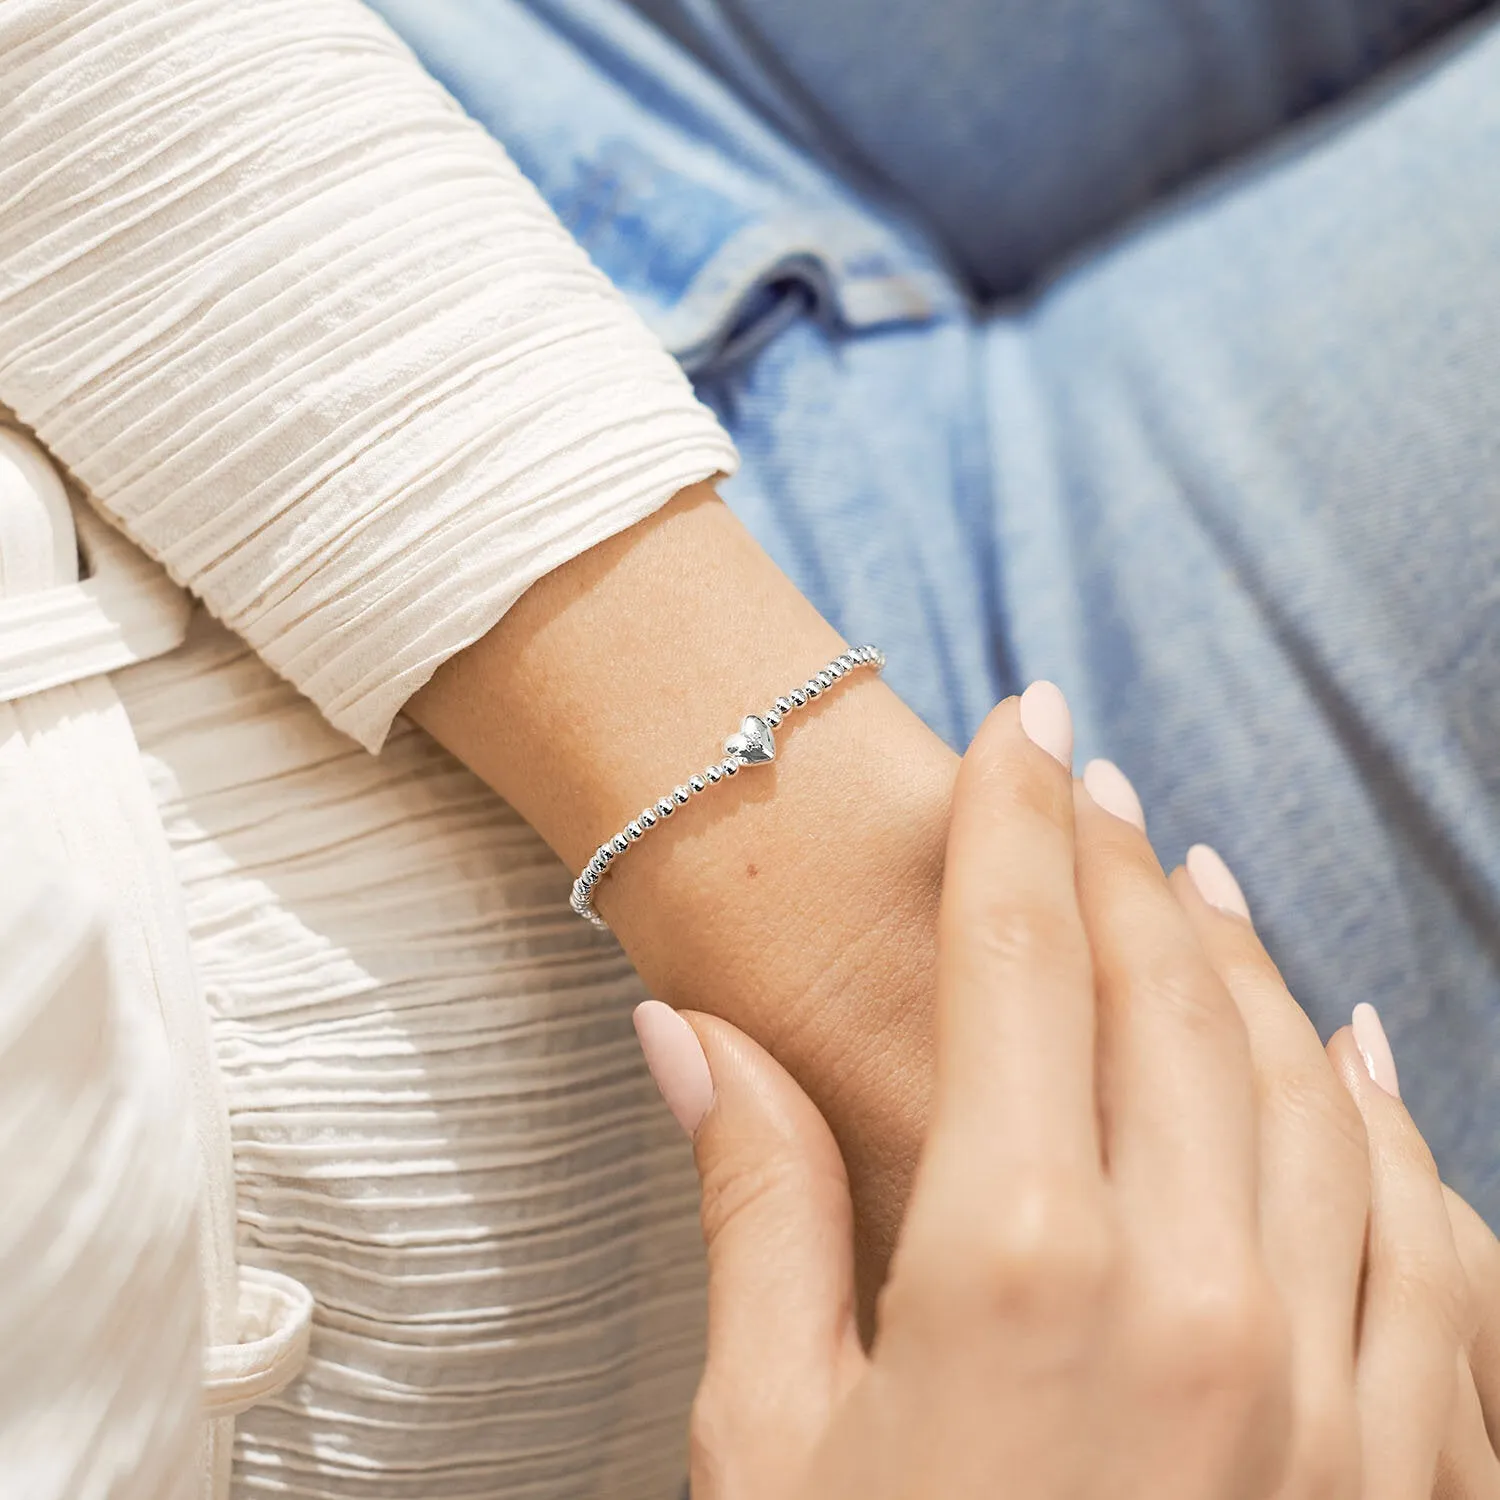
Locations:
753 744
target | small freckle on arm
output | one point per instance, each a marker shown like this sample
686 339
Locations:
751 871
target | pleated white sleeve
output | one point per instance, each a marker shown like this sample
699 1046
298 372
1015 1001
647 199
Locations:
304 333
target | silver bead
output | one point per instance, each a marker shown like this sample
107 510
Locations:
620 843
812 687
714 774
696 783
666 807
647 818
606 852
771 717
632 831
680 795
798 697
784 705
847 661
836 668
730 767
825 678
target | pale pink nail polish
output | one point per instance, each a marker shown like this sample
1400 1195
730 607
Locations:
1374 1046
675 1058
1047 722
1110 787
1215 882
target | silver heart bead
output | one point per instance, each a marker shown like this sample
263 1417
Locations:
754 744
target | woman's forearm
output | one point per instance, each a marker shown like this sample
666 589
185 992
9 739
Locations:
798 901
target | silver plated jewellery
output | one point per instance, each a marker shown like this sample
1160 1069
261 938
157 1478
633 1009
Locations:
752 744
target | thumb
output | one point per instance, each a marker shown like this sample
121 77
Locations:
777 1221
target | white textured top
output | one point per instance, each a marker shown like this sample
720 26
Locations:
306 335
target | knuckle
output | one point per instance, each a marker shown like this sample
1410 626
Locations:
1325 1460
1220 1335
1319 1106
1427 1282
1246 966
1029 788
1051 1253
1405 1154
1190 997
1031 938
736 1186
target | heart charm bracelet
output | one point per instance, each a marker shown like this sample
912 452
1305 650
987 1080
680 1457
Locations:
753 744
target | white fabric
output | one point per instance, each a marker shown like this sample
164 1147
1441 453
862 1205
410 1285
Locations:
305 333
441 1122
126 611
275 1326
73 787
99 1300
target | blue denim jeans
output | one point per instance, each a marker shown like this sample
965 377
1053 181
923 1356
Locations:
1230 475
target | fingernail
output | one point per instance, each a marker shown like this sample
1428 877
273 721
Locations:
1375 1048
1046 720
1110 787
1215 883
675 1058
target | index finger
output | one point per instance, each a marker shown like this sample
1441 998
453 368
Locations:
1015 1006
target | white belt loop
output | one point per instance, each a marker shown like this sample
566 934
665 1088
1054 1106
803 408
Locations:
64 630
275 1321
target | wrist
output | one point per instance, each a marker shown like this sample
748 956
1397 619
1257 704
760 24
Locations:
798 902
806 914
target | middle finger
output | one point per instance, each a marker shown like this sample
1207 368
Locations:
1176 1089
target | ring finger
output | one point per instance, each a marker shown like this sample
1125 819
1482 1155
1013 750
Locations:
1314 1174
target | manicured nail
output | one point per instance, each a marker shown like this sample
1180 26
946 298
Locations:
1215 883
675 1058
1046 720
1375 1048
1109 786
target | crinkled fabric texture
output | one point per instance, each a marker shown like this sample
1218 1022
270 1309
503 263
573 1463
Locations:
1232 480
441 1122
306 334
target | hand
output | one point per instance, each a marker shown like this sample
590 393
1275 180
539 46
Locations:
1132 1264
